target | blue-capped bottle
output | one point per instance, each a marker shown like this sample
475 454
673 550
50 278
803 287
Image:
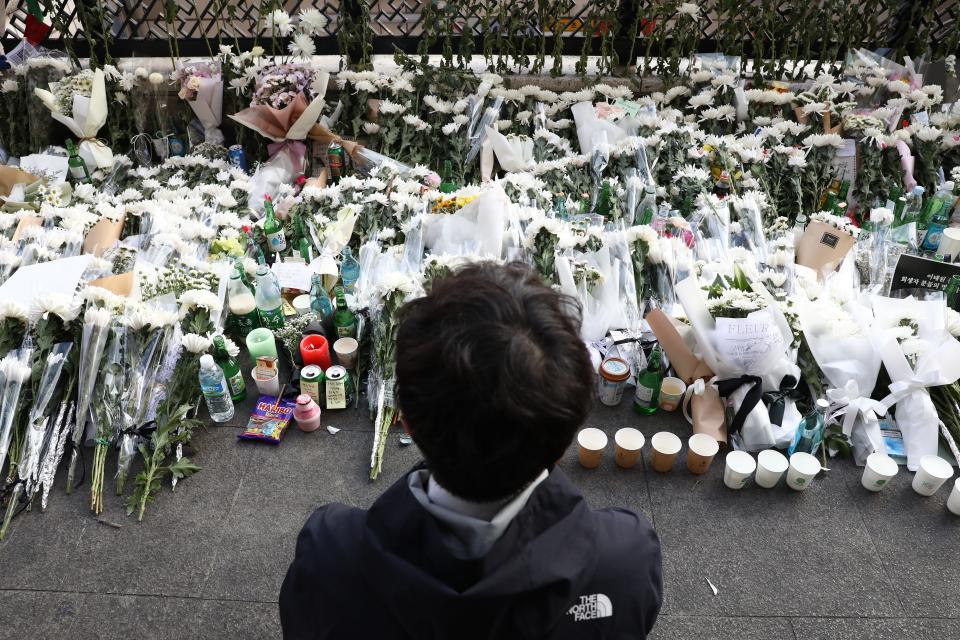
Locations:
215 390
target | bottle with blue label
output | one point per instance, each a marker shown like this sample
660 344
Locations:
349 270
939 217
215 390
272 229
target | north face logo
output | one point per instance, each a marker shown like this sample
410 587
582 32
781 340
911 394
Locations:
592 607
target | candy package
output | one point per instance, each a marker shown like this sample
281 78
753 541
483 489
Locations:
268 420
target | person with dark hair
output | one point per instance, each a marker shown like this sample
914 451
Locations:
487 538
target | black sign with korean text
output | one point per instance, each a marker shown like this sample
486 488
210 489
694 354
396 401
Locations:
913 272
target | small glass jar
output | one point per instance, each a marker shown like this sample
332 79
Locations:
613 376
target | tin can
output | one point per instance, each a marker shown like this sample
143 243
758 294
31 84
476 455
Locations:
238 157
311 381
335 159
613 375
338 388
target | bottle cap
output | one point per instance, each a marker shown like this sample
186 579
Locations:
822 403
206 360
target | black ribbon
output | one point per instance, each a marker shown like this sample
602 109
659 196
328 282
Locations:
776 401
145 430
727 387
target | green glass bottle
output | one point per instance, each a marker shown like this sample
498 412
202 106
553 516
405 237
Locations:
78 168
953 288
343 319
447 184
231 370
648 384
272 229
604 200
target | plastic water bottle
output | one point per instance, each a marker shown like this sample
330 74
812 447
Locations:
349 270
215 391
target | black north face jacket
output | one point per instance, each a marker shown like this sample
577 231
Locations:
561 570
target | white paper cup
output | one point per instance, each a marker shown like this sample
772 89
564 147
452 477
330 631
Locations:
953 502
665 447
701 449
269 385
739 467
950 243
628 444
346 351
803 469
931 475
591 443
878 471
302 304
771 465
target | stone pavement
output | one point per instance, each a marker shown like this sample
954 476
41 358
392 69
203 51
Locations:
208 561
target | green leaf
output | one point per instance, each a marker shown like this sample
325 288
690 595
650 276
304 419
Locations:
183 468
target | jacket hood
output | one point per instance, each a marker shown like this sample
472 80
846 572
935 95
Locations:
520 589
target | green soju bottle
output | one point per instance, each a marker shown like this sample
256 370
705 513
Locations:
447 183
231 370
272 229
78 168
648 384
343 319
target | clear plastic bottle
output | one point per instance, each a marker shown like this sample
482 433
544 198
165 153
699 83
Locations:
269 304
349 270
215 391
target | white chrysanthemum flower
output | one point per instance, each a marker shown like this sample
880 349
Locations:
928 134
194 343
389 108
302 46
396 281
370 128
198 298
12 370
9 86
952 321
12 309
59 304
97 316
279 22
313 22
155 78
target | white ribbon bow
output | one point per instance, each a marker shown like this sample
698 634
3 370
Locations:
902 388
852 404
698 387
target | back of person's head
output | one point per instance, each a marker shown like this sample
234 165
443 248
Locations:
493 379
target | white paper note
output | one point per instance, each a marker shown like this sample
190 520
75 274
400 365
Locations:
293 275
56 276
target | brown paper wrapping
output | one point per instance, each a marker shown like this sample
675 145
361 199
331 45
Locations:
102 236
803 118
121 284
822 247
708 414
26 221
10 176
324 136
688 366
706 410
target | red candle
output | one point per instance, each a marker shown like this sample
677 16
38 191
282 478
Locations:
315 350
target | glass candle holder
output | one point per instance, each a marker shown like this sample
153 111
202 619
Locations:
260 342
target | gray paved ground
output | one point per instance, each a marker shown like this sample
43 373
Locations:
833 562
